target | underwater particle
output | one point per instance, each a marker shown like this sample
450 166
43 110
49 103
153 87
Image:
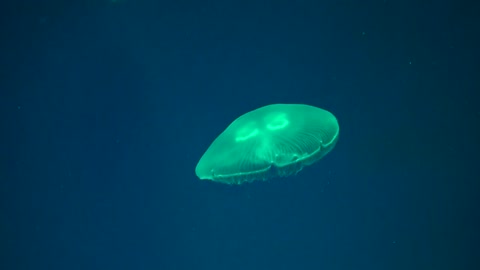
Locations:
271 141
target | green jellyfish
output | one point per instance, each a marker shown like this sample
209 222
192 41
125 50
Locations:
273 141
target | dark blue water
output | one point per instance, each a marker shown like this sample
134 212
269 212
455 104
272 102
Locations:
106 108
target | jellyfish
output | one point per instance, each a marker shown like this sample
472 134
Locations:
276 140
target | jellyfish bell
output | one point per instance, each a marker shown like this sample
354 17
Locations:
273 141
